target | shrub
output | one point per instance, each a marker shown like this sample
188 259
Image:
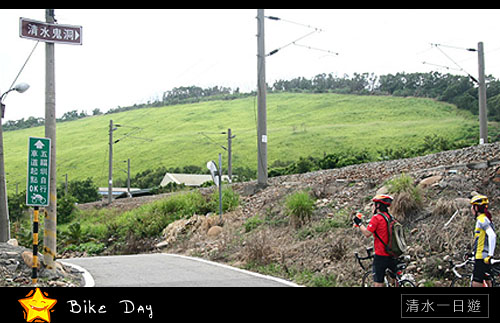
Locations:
230 200
17 206
258 249
407 196
252 223
299 207
84 191
65 208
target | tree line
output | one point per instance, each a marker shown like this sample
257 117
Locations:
459 90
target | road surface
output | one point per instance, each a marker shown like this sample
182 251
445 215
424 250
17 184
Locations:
167 270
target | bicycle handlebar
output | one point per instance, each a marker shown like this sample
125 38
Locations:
369 255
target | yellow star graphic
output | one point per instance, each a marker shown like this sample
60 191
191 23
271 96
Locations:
37 306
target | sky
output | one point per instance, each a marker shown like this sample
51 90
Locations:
132 56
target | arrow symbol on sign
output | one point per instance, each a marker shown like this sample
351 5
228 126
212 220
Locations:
77 35
39 144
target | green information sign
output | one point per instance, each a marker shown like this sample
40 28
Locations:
37 188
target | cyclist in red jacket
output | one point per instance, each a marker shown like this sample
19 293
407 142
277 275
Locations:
378 228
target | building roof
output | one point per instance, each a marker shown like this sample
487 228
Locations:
122 192
188 179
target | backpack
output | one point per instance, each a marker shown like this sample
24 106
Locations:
396 245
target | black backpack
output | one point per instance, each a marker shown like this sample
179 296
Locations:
396 245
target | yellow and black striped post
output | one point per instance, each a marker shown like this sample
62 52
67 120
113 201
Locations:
34 274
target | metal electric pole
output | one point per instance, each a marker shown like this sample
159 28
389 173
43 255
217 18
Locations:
230 138
50 222
4 208
261 101
483 119
110 169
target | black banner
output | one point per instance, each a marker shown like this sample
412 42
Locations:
161 304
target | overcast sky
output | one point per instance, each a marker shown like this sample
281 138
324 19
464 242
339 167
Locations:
133 55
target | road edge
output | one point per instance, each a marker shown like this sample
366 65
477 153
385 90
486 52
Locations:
276 279
87 277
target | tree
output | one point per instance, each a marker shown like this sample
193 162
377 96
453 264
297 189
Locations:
83 191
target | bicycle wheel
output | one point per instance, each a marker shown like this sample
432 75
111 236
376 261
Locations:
464 281
367 279
406 283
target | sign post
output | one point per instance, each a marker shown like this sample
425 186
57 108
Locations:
37 188
51 33
217 178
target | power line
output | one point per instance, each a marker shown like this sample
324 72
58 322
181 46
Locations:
442 66
455 47
293 22
315 30
453 61
22 68
290 43
318 49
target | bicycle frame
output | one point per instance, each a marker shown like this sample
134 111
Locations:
470 260
398 280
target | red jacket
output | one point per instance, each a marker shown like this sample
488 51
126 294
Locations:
379 224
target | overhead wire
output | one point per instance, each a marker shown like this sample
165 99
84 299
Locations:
22 68
315 30
461 69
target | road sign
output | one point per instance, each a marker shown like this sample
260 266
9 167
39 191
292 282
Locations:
38 177
52 33
213 171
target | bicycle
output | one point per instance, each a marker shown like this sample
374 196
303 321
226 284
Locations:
401 280
463 272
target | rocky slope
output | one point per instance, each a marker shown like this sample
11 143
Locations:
16 264
323 249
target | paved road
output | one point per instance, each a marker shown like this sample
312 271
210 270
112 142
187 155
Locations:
168 270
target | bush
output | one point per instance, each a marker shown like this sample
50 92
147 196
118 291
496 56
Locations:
91 247
408 197
230 200
299 207
65 208
17 206
83 191
252 223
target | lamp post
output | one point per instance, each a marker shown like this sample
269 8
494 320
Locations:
4 209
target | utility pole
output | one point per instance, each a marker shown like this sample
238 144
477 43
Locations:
261 101
483 119
110 170
128 178
50 223
112 127
229 155
4 208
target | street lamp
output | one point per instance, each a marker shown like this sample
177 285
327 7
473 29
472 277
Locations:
4 209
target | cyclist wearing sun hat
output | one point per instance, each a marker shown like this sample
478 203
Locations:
378 228
484 240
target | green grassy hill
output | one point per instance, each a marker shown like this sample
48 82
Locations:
299 125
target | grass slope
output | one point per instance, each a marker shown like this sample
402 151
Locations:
299 125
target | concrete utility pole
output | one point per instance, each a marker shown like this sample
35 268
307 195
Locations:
261 99
50 223
483 119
